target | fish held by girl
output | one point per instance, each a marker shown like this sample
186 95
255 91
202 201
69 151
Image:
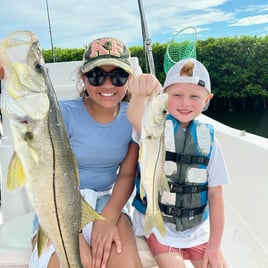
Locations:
43 160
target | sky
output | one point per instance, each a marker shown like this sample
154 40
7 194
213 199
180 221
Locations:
73 24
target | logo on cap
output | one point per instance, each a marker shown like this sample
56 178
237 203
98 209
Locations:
103 47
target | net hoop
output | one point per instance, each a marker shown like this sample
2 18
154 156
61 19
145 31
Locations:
182 45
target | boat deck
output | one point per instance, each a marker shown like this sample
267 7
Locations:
240 247
245 240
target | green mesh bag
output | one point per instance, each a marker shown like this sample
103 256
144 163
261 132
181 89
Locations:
181 46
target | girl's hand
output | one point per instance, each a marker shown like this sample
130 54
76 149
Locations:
104 234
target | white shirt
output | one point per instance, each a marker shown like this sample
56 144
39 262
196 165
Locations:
218 175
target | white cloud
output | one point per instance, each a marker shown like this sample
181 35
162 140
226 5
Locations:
254 9
253 20
123 21
75 23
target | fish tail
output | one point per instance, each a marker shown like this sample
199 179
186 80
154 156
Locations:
154 220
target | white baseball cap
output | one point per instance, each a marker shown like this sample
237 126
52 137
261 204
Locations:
200 74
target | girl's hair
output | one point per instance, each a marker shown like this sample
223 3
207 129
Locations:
79 84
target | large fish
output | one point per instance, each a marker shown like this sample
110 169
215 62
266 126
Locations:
42 159
152 158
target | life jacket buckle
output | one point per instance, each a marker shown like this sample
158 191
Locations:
184 158
174 211
175 188
194 189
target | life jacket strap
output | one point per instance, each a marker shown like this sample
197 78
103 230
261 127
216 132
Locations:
186 158
181 212
178 188
187 189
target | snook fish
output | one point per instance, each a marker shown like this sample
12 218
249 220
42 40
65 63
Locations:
42 159
151 160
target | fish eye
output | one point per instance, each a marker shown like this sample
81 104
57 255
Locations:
38 67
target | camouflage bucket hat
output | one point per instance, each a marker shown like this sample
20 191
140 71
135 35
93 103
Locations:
106 51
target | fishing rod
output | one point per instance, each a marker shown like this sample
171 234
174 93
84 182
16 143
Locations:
50 33
149 59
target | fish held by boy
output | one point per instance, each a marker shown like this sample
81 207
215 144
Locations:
43 159
151 159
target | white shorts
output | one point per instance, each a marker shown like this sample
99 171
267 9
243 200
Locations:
97 200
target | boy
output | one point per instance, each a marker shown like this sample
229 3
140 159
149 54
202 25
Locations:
193 209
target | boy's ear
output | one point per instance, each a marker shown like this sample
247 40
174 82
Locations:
209 97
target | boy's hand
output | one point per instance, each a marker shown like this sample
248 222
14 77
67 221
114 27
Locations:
144 85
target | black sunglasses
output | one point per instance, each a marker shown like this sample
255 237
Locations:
97 76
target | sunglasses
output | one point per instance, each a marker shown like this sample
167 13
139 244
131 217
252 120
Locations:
97 76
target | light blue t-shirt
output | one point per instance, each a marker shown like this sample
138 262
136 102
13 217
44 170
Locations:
99 148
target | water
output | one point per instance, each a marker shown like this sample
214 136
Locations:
252 122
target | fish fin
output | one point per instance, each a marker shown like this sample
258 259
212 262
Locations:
16 177
42 241
34 155
164 187
76 172
154 220
88 213
28 138
140 152
142 192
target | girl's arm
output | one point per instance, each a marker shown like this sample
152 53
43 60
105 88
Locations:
105 232
124 184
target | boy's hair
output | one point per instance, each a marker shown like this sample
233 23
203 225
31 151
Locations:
188 71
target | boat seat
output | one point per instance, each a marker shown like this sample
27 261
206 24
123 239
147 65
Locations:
15 244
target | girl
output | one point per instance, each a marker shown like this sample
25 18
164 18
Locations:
100 136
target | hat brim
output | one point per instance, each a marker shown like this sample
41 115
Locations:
106 61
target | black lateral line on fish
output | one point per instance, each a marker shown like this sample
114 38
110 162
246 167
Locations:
54 165
155 167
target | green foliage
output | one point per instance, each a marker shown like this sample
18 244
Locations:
238 67
62 55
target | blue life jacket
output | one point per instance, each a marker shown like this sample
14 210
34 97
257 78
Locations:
187 156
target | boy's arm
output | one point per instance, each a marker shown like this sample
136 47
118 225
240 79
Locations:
2 72
213 255
140 87
135 111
